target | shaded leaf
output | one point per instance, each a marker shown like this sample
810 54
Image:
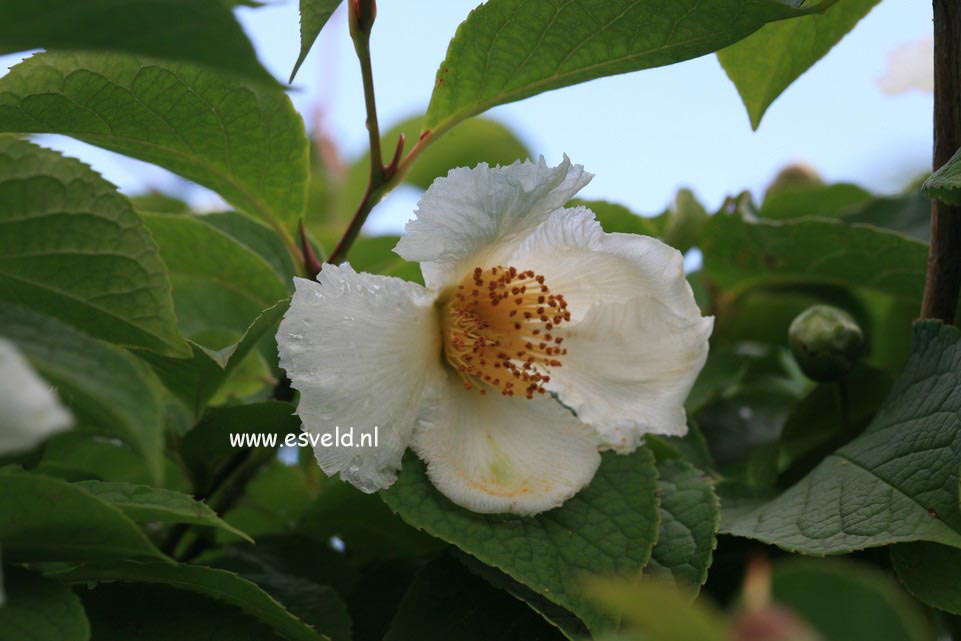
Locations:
38 609
897 482
144 503
929 572
945 183
109 392
186 30
608 527
46 519
72 247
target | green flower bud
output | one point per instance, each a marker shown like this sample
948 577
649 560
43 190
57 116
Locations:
826 342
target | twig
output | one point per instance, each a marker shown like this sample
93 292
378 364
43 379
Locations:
943 280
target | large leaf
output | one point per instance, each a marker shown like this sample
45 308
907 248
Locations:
46 519
245 142
198 31
108 391
740 254
144 503
448 603
929 572
608 527
764 64
40 610
73 247
690 515
220 585
945 183
314 14
512 49
845 600
897 482
195 380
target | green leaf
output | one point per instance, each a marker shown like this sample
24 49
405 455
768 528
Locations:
740 254
109 391
143 503
897 482
195 380
657 611
197 31
549 552
909 214
73 247
944 184
790 200
764 64
448 603
122 611
844 600
220 585
38 609
928 571
245 142
257 238
690 514
79 456
274 501
46 519
314 14
206 449
507 50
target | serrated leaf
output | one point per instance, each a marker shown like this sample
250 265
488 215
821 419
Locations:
608 527
844 600
220 585
143 503
195 380
197 31
765 63
38 609
928 571
72 247
314 14
690 515
507 50
741 254
945 183
46 519
245 142
448 603
897 482
108 391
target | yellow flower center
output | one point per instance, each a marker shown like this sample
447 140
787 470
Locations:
500 328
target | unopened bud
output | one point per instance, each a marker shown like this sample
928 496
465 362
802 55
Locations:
826 342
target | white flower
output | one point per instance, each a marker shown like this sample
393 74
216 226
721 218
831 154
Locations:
538 341
30 411
910 66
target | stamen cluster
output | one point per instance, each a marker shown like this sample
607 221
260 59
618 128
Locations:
500 330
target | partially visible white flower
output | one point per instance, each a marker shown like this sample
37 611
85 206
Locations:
910 66
538 341
30 411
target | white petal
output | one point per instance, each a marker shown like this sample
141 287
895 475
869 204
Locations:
629 368
636 340
588 266
478 215
31 412
364 352
495 454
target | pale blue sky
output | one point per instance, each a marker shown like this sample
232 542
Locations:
643 134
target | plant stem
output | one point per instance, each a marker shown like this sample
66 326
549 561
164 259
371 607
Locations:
943 280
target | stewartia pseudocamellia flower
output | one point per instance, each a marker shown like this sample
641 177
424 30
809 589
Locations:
538 341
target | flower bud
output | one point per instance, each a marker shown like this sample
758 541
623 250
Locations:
826 342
